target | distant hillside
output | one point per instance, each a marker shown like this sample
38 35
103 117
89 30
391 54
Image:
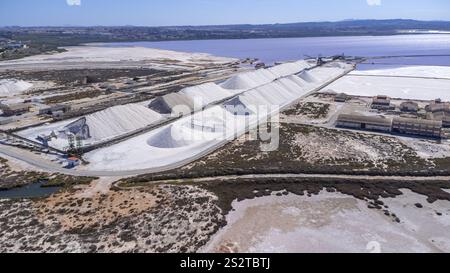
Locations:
49 38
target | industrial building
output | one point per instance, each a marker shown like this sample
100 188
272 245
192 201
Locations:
409 106
382 103
438 106
55 109
371 123
14 109
342 97
443 116
407 126
419 127
439 111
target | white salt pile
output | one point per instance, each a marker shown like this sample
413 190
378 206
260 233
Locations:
207 93
191 137
170 137
277 93
264 76
13 87
114 121
287 69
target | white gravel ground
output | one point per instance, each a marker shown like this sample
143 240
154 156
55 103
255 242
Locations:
333 222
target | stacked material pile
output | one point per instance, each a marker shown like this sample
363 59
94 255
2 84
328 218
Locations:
13 87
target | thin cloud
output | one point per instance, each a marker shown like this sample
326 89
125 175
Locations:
374 2
73 2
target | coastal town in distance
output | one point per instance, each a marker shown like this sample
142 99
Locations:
295 131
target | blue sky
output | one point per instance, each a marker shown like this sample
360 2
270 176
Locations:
201 12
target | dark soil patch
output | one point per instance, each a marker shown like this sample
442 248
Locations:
310 109
75 76
370 191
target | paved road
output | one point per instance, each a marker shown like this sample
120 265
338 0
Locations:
53 167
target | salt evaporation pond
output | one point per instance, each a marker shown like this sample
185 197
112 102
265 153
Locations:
414 82
35 190
284 49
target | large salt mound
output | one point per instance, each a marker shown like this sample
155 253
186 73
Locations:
174 102
117 121
13 87
287 69
207 93
238 108
308 77
170 137
276 93
249 80
260 77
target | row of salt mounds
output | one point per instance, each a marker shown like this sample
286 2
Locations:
261 77
277 93
166 105
207 93
112 122
13 87
287 69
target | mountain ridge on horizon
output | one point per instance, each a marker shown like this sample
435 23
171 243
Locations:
339 22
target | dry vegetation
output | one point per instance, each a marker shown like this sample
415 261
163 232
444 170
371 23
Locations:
155 219
12 178
313 150
312 110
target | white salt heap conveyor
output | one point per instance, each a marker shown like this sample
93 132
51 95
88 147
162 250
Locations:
194 136
206 94
260 77
119 120
98 127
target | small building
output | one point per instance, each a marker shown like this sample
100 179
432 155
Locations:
443 116
12 46
55 108
15 109
73 162
58 115
341 97
438 106
87 80
409 106
371 123
260 66
418 127
382 103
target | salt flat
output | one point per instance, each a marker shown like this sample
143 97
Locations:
332 222
410 71
120 56
401 83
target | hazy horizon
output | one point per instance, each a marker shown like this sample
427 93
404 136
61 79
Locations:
53 13
299 22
